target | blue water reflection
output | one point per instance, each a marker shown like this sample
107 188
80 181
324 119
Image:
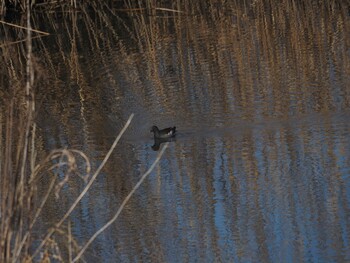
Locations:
263 196
259 171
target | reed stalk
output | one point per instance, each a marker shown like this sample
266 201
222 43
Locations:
245 30
123 204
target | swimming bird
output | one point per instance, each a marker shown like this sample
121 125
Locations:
163 134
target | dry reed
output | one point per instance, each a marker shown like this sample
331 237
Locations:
254 20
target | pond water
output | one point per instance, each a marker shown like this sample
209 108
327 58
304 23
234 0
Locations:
260 96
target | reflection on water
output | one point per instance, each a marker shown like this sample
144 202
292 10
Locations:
260 169
158 143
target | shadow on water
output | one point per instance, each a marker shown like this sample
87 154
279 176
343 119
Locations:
241 127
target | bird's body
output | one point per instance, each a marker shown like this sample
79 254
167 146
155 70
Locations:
163 134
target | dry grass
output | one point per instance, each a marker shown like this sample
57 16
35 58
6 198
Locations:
21 172
20 169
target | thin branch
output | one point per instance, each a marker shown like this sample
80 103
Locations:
122 205
27 28
169 10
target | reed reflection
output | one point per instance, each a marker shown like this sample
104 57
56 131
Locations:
261 173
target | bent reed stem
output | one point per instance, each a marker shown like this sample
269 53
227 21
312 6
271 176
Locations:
114 218
87 187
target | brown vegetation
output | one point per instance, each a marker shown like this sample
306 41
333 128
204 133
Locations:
241 26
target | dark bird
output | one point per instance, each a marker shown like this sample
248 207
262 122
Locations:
166 133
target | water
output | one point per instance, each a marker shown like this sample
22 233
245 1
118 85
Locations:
260 169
